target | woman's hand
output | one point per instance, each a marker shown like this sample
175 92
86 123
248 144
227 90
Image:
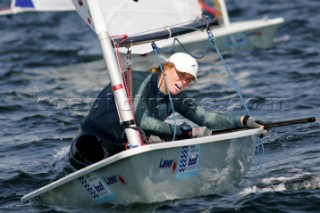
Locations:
195 132
200 132
251 122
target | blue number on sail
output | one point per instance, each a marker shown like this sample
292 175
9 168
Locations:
24 3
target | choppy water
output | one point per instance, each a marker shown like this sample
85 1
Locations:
48 81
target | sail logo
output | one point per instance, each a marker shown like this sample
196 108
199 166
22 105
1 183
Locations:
165 163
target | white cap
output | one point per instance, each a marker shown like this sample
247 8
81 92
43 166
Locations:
185 63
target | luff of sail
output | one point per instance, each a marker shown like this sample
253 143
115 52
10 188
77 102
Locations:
132 18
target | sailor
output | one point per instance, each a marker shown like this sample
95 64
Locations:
101 134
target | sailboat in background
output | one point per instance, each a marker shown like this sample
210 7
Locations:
230 36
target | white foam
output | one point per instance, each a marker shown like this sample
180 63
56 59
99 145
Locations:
255 189
276 184
61 153
60 158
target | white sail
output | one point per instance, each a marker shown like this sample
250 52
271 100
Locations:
19 6
129 17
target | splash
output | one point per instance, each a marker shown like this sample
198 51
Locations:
60 159
306 181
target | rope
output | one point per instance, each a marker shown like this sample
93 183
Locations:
234 83
258 151
126 85
259 141
170 49
142 135
122 72
206 49
129 76
156 51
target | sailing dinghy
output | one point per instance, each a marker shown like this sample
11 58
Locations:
157 172
148 173
230 35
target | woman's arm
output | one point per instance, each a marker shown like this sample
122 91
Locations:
213 120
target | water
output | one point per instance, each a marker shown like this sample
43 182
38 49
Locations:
48 82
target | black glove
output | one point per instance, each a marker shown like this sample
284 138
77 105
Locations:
196 132
186 130
251 122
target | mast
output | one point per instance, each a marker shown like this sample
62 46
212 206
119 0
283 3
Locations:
13 3
13 6
119 92
224 12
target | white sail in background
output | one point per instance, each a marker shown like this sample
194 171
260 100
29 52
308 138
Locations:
19 6
129 17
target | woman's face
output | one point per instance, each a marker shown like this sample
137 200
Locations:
177 81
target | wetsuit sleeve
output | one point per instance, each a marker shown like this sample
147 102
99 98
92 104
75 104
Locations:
157 127
213 120
151 125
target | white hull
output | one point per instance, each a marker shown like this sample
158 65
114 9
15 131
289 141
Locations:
158 172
